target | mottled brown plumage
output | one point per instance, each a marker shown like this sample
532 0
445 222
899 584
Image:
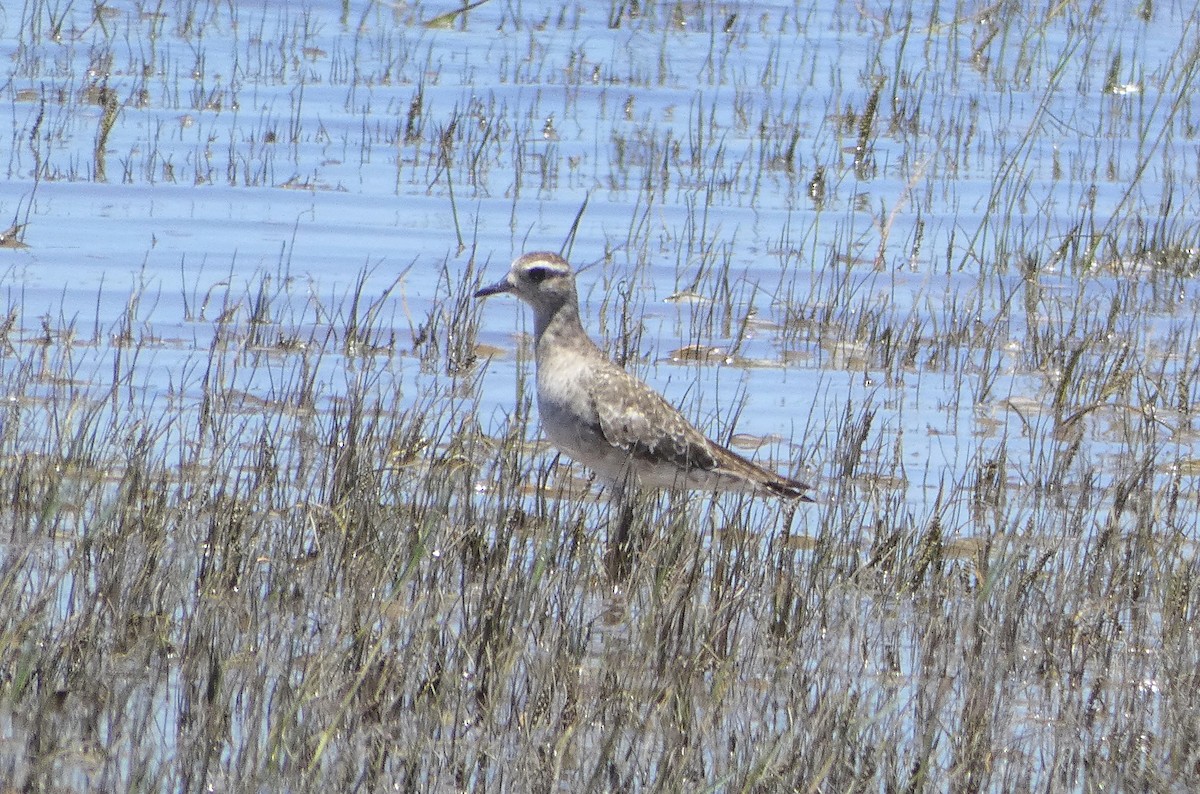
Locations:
605 418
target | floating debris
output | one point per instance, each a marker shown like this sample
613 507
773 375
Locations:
699 353
687 296
10 237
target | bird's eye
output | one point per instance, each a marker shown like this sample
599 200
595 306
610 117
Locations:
538 274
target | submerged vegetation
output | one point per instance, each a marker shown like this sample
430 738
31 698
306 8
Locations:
284 522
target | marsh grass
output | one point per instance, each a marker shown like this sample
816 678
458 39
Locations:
323 580
282 539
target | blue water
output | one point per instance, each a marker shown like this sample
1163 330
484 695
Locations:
275 141
1018 176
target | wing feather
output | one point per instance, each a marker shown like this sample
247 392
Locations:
637 420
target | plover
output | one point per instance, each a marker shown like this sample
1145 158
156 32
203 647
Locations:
605 418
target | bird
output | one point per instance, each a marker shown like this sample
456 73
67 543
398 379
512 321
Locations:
605 418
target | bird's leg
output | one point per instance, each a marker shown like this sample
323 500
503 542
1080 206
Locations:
619 555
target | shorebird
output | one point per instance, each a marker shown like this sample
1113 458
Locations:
601 416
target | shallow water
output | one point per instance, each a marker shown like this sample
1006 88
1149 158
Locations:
265 140
1015 210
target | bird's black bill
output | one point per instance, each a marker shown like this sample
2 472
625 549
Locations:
495 289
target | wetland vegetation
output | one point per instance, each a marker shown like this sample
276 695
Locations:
274 509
